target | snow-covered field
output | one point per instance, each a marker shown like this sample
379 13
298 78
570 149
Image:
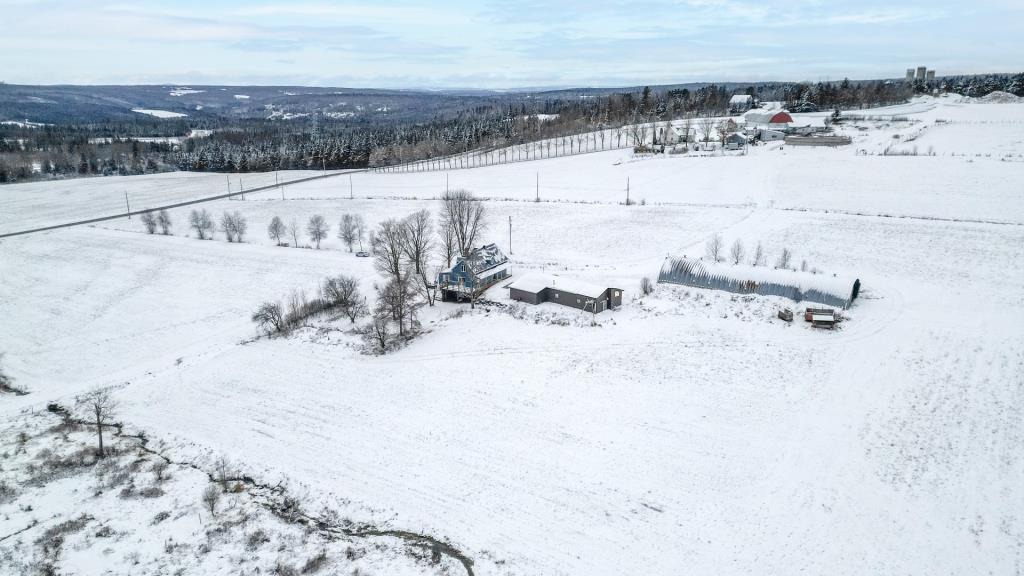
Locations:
689 431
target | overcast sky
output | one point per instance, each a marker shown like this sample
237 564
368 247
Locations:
503 44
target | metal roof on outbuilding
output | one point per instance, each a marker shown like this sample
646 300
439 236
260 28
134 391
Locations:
536 282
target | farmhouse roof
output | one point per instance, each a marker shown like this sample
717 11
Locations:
740 99
483 259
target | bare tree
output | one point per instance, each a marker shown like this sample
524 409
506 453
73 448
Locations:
202 223
342 293
713 248
241 225
759 257
211 496
446 230
293 231
379 332
276 230
360 229
347 230
389 248
269 318
149 221
223 472
465 213
723 130
737 251
426 286
164 220
784 258
100 408
397 297
707 127
227 225
317 229
687 127
416 229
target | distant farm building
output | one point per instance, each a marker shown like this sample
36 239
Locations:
740 103
770 135
539 288
773 119
472 275
831 141
825 289
680 134
735 141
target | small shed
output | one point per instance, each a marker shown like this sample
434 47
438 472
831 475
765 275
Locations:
539 288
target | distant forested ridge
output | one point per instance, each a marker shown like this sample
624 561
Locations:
58 132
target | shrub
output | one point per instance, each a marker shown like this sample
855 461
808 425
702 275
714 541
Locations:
160 517
159 469
316 563
646 286
285 570
7 492
164 220
149 221
210 498
151 492
256 539
270 318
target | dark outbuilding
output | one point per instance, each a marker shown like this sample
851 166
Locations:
539 288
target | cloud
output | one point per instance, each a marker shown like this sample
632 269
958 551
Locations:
498 44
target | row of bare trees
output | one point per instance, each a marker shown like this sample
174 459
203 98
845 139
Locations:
715 247
316 228
160 219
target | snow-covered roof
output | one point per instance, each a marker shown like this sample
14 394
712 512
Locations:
766 117
740 99
482 259
492 271
536 282
826 288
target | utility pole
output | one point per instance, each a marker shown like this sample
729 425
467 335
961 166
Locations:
445 182
537 199
126 206
350 192
627 190
509 234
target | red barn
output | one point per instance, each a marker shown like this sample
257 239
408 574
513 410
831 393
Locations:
781 118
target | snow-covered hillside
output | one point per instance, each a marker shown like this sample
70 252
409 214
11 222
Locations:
689 431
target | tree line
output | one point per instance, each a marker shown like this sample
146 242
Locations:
244 145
